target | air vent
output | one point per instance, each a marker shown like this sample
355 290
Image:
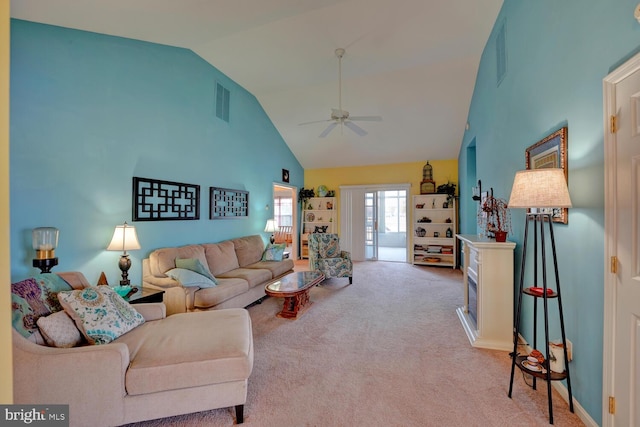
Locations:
222 102
501 54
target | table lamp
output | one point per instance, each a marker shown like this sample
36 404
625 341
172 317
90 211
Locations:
124 239
271 227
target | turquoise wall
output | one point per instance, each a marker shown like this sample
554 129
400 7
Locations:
89 112
558 53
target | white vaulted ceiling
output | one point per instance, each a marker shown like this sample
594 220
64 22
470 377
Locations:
413 62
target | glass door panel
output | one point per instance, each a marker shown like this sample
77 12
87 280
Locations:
371 225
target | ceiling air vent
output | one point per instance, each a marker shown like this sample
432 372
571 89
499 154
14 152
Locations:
501 53
222 102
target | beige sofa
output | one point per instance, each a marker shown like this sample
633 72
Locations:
167 366
236 264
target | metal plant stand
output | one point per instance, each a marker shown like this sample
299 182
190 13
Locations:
545 295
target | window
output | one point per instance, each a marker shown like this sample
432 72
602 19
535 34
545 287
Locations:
283 210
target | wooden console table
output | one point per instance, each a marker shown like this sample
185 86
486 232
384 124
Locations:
487 313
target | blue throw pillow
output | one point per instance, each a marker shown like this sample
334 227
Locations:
194 264
274 252
190 278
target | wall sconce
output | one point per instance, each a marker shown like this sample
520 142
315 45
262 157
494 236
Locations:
271 227
45 242
124 239
476 191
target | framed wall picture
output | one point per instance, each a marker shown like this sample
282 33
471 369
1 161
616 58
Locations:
551 152
285 175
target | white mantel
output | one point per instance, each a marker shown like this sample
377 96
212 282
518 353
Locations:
490 265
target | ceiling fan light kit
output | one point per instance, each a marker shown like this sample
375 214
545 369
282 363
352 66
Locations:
340 116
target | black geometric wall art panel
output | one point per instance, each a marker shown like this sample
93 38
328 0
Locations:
157 200
225 203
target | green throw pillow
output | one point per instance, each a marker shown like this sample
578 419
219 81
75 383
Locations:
194 264
274 252
190 278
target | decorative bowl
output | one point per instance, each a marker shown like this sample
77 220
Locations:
122 290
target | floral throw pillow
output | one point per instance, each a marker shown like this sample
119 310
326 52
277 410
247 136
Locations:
100 313
274 252
329 246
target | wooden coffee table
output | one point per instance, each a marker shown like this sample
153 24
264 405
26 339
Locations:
294 288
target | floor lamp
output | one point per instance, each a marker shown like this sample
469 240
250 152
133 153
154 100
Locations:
540 191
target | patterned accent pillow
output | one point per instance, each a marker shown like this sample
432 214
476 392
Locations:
190 278
274 252
59 330
100 313
194 264
35 297
329 247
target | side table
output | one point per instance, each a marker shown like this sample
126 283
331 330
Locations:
146 295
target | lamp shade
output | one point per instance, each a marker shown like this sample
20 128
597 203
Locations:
271 226
124 239
540 188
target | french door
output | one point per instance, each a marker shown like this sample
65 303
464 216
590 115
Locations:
385 225
374 221
371 225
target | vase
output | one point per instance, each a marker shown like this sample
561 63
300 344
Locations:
501 236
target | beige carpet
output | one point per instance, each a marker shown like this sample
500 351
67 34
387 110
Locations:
388 350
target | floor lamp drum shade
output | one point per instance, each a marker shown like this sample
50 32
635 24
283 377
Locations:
124 239
540 188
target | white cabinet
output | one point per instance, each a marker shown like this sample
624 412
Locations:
319 215
487 313
434 229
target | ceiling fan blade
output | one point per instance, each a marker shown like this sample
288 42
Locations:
354 127
315 121
366 118
328 129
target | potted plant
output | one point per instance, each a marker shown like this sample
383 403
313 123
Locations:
494 218
305 194
449 189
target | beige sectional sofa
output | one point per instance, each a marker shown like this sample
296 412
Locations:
164 367
236 265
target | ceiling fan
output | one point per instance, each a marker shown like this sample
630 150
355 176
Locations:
340 116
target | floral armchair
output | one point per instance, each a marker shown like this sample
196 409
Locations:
325 255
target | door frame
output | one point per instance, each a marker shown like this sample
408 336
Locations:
294 212
610 228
